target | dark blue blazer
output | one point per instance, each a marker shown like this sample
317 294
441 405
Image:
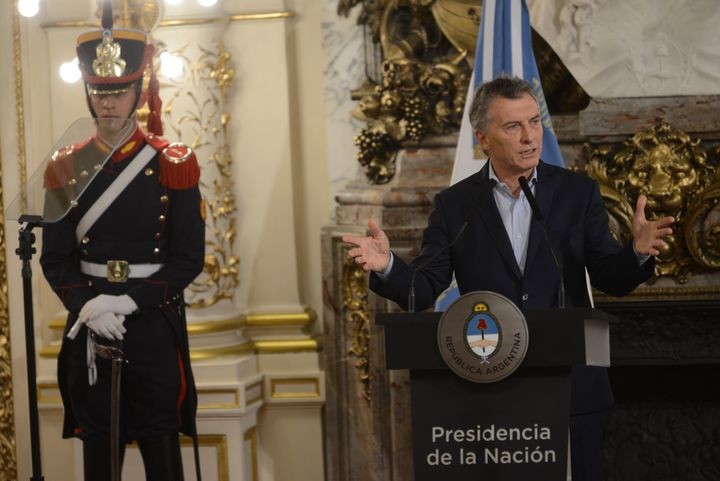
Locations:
482 258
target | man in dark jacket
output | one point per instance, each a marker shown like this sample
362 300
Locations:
503 251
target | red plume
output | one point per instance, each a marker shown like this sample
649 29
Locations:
154 122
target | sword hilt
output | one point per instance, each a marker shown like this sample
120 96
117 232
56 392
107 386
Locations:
109 352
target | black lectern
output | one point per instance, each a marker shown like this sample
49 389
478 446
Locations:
516 428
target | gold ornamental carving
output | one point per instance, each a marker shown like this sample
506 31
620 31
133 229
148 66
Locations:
8 469
8 453
357 315
674 173
422 89
205 125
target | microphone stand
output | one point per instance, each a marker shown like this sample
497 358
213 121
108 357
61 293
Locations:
537 214
411 295
25 252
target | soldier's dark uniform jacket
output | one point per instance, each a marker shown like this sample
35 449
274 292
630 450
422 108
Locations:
157 219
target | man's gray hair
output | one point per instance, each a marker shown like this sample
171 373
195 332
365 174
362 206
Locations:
501 87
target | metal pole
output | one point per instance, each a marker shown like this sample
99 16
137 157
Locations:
25 251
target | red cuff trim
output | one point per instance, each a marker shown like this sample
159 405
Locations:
183 386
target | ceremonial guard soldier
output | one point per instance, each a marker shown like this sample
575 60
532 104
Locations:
120 259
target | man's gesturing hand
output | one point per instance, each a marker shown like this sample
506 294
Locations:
372 253
648 234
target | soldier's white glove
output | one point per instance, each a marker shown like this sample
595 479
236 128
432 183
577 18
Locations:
104 303
107 325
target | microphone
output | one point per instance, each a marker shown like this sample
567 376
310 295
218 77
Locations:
537 214
411 295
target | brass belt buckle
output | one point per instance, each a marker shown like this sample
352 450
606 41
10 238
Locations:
117 271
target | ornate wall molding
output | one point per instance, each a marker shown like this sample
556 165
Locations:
8 467
8 454
238 17
196 111
651 332
357 315
636 48
664 441
19 105
677 177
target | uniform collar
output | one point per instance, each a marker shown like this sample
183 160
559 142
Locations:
129 147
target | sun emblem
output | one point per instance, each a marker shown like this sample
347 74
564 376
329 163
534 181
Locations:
482 332
108 62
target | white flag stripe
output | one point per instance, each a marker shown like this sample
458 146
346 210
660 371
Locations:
465 163
516 38
488 21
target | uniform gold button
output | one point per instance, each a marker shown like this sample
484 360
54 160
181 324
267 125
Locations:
96 166
156 251
149 171
84 173
85 240
161 218
84 251
164 199
72 182
73 204
157 235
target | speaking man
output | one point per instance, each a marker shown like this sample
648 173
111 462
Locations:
503 250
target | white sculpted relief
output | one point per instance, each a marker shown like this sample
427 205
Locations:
660 64
577 22
635 48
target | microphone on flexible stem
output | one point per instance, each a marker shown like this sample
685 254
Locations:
411 295
537 214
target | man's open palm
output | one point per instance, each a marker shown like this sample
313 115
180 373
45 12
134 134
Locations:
373 252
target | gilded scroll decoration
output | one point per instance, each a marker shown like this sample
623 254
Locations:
422 90
674 173
8 469
203 124
8 454
702 228
357 315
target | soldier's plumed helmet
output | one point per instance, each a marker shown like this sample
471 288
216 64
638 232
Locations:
112 60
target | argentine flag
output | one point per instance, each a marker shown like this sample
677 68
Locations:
504 47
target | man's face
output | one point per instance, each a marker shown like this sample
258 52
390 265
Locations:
513 137
113 110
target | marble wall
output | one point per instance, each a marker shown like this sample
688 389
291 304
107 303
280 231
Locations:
344 71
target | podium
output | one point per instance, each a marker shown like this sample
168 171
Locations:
515 428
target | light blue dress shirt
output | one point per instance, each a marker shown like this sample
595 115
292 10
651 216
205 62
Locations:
516 215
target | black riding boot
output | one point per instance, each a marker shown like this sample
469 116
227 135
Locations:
96 458
161 457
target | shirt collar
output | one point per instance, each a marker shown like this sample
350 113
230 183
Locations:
498 184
